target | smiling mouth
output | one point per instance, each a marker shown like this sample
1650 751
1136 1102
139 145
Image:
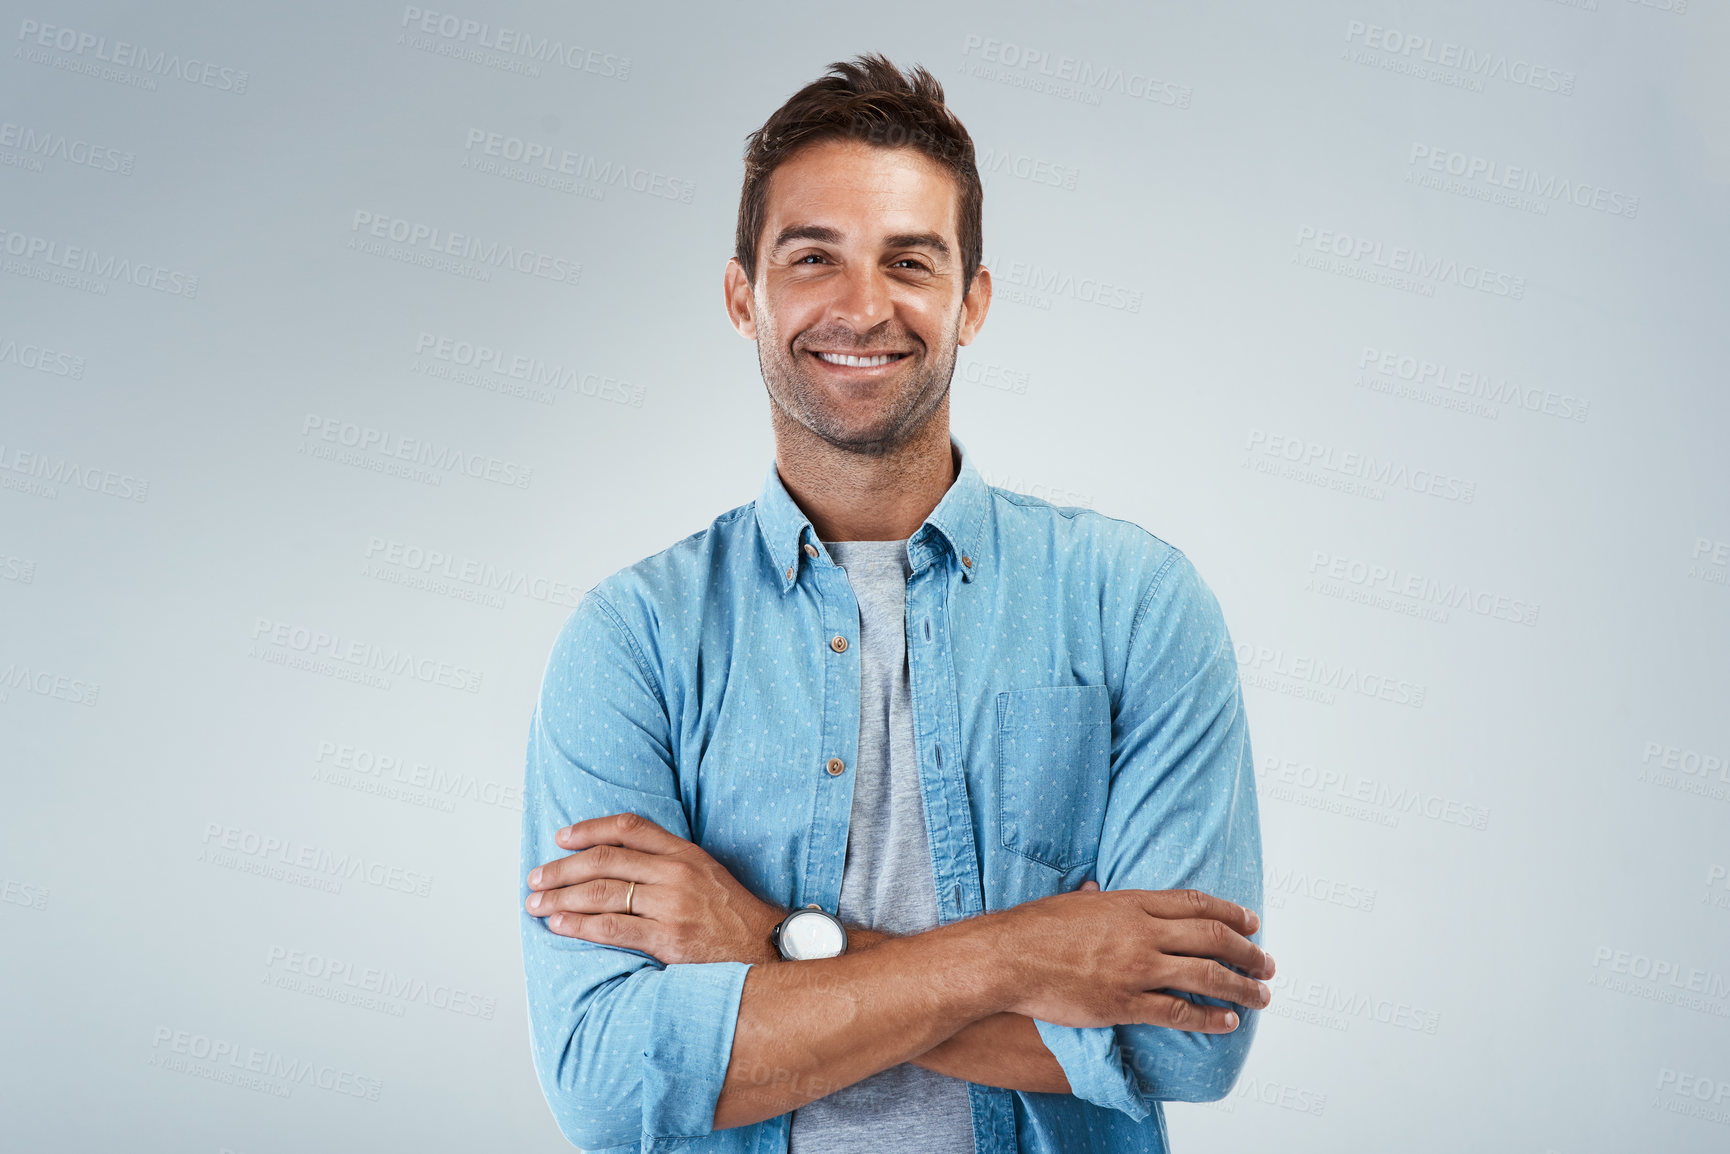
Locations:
854 362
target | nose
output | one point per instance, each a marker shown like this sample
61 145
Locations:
862 298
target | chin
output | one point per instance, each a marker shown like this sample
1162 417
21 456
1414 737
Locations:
870 440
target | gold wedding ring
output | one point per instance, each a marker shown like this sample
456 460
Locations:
629 894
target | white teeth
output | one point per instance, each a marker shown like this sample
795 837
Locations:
856 362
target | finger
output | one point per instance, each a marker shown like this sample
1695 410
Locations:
1204 938
1088 885
626 829
596 896
601 861
609 929
1182 1014
1196 904
1212 980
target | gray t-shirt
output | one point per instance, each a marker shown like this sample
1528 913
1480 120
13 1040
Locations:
887 883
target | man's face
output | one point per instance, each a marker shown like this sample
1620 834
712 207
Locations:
860 257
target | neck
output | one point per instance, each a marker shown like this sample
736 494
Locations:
853 496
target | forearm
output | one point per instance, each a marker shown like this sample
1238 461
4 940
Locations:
1003 1050
807 1029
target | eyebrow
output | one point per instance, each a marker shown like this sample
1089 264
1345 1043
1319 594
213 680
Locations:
822 234
928 240
816 232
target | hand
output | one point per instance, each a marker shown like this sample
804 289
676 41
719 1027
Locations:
1088 958
686 906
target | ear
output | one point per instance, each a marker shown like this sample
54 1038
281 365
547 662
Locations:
975 305
740 300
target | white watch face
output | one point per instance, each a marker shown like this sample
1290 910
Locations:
811 934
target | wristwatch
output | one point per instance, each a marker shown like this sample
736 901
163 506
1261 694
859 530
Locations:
809 933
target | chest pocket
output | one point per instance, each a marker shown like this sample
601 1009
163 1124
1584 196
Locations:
1053 772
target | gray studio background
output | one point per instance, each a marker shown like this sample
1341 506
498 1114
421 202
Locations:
343 346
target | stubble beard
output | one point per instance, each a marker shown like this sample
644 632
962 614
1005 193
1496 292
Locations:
803 401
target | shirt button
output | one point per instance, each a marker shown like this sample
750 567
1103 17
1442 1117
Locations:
789 572
810 549
836 765
967 561
839 645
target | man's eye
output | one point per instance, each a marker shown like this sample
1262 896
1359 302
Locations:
911 263
806 257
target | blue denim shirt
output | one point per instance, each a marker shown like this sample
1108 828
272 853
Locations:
1076 715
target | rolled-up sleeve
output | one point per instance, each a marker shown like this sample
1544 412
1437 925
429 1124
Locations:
626 1049
1181 814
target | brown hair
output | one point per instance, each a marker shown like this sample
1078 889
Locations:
866 99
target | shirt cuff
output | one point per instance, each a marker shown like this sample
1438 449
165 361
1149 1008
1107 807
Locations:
691 1026
1091 1061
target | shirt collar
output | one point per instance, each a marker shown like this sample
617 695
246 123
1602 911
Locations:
958 523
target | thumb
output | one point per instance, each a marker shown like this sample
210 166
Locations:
1089 884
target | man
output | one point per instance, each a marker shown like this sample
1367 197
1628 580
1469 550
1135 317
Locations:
888 694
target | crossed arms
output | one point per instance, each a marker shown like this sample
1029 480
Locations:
958 1002
686 908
